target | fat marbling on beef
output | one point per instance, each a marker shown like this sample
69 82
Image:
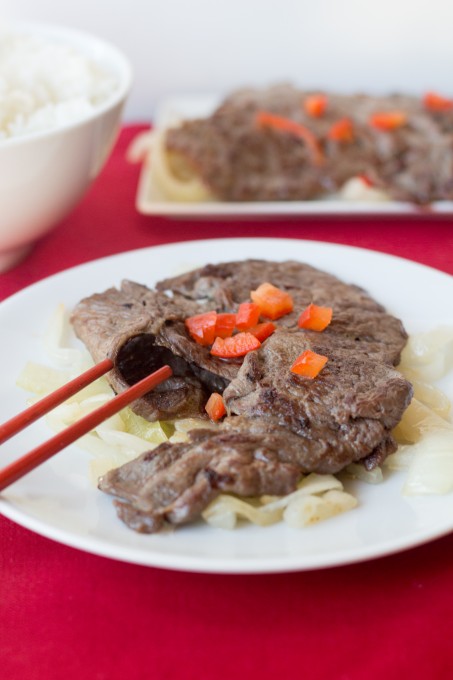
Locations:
279 425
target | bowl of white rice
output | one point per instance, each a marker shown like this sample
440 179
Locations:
62 94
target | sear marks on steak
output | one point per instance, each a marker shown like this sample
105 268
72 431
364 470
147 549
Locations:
342 417
357 319
240 162
279 425
175 482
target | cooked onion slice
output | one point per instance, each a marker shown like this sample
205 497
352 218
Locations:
173 176
358 471
418 420
356 190
430 469
306 510
310 503
429 356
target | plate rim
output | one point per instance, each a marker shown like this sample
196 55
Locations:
239 239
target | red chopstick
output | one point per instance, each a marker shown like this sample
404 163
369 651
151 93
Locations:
46 404
11 473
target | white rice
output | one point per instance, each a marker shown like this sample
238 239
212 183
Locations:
45 84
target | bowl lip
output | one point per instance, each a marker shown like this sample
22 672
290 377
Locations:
122 65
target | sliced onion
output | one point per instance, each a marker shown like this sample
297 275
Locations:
306 510
225 510
431 467
357 471
429 355
55 339
189 189
355 189
430 395
419 419
41 379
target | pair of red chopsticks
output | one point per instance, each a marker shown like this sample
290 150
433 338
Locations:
11 473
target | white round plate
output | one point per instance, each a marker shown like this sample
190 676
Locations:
57 499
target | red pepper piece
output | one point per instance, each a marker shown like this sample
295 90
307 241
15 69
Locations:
435 102
342 131
315 105
247 315
263 330
272 301
266 120
237 346
215 407
366 180
388 120
225 325
201 327
309 364
315 318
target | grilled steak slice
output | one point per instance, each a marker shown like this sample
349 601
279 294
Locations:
280 425
357 320
238 161
341 417
141 330
175 482
247 457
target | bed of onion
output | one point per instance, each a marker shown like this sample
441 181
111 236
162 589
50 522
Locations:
424 435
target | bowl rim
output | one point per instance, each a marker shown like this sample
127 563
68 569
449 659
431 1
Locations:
76 36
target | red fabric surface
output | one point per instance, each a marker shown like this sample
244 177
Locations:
68 614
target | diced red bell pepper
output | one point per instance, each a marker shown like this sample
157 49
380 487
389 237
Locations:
309 364
237 346
263 330
247 315
435 102
272 301
225 325
315 318
315 105
201 327
266 120
366 180
341 131
215 407
388 120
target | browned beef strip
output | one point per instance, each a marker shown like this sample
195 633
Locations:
175 482
239 162
342 416
280 425
141 330
357 319
245 456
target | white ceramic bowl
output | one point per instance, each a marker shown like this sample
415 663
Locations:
44 174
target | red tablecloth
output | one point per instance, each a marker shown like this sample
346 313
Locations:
68 614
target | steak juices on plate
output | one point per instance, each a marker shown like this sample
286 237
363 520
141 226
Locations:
279 425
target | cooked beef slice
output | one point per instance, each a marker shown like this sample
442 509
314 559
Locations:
248 457
175 482
347 411
141 330
240 162
357 318
280 425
